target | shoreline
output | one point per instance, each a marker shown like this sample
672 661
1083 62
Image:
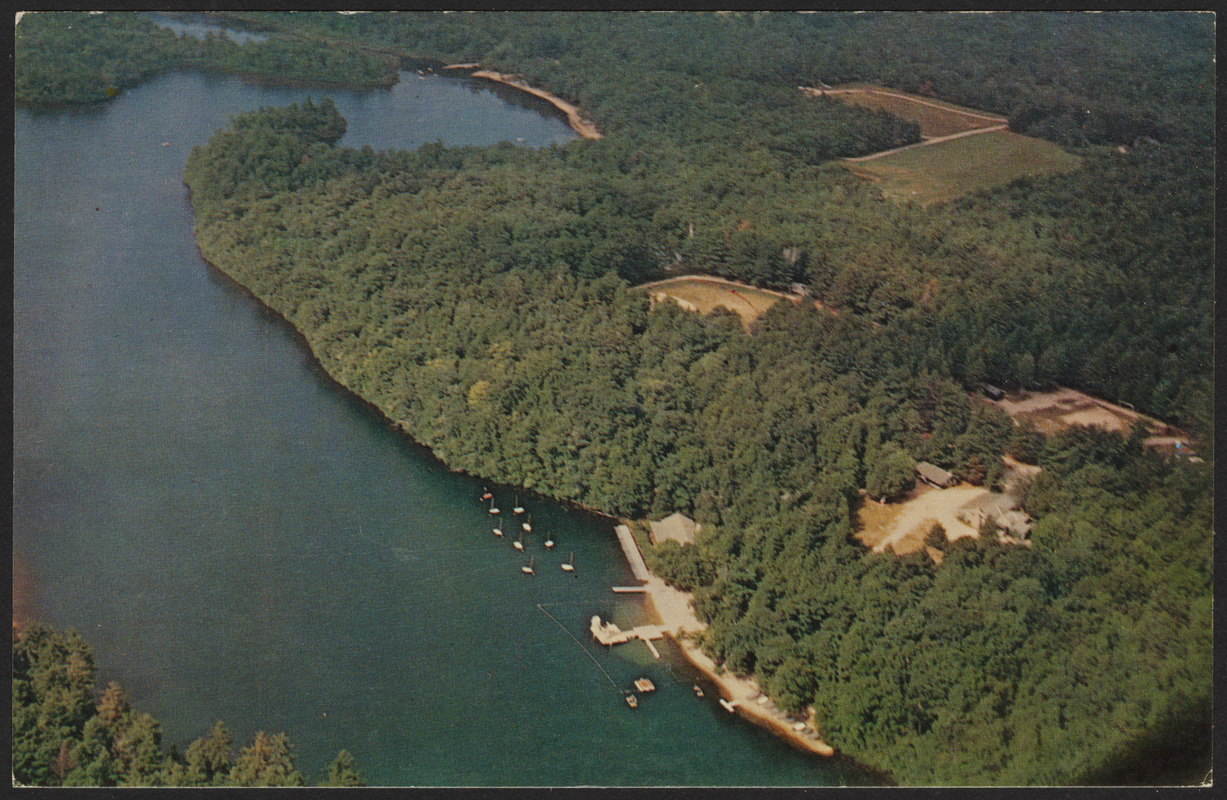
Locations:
575 119
674 612
672 607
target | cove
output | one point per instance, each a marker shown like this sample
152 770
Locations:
239 539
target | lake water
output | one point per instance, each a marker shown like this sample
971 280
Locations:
241 540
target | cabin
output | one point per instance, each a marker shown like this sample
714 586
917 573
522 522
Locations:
935 475
1011 521
678 527
993 392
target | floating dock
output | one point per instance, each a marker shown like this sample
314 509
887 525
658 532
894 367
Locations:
638 568
629 589
610 634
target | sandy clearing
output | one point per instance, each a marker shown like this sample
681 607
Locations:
1096 417
929 506
1059 409
704 293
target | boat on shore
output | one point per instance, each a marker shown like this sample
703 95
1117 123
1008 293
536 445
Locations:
729 707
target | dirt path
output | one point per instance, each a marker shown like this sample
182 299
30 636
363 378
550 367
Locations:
908 97
927 142
933 505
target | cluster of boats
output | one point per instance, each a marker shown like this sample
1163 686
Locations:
525 527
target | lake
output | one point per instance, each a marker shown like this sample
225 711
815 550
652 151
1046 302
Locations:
240 539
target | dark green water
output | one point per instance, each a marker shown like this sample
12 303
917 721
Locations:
241 540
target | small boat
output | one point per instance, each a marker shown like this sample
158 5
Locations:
644 685
499 530
549 542
570 565
493 508
698 690
527 569
729 707
166 144
528 523
485 494
632 701
519 543
519 509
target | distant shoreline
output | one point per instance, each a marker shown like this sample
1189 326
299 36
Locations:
578 123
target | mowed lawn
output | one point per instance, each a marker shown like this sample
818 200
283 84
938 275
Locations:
933 121
941 172
706 295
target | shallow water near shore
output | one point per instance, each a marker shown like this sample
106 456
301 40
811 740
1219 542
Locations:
240 539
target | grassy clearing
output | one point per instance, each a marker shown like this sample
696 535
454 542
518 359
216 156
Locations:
944 171
935 117
707 294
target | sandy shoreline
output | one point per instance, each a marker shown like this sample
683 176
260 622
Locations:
578 123
676 617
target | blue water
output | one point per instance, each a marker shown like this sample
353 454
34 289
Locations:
241 540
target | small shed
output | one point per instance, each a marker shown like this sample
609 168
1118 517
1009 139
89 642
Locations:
992 392
934 475
678 527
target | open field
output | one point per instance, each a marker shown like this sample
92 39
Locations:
1057 410
944 171
705 294
934 117
901 528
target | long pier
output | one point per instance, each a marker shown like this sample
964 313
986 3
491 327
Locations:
638 568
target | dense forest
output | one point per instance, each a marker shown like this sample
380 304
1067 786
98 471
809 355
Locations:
65 733
479 297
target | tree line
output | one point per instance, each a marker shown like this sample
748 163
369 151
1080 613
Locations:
66 733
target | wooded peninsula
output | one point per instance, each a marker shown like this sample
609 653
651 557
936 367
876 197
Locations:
480 298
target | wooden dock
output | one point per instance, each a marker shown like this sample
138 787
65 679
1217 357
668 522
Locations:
610 634
631 549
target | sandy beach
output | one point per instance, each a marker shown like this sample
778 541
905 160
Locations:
582 126
676 616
